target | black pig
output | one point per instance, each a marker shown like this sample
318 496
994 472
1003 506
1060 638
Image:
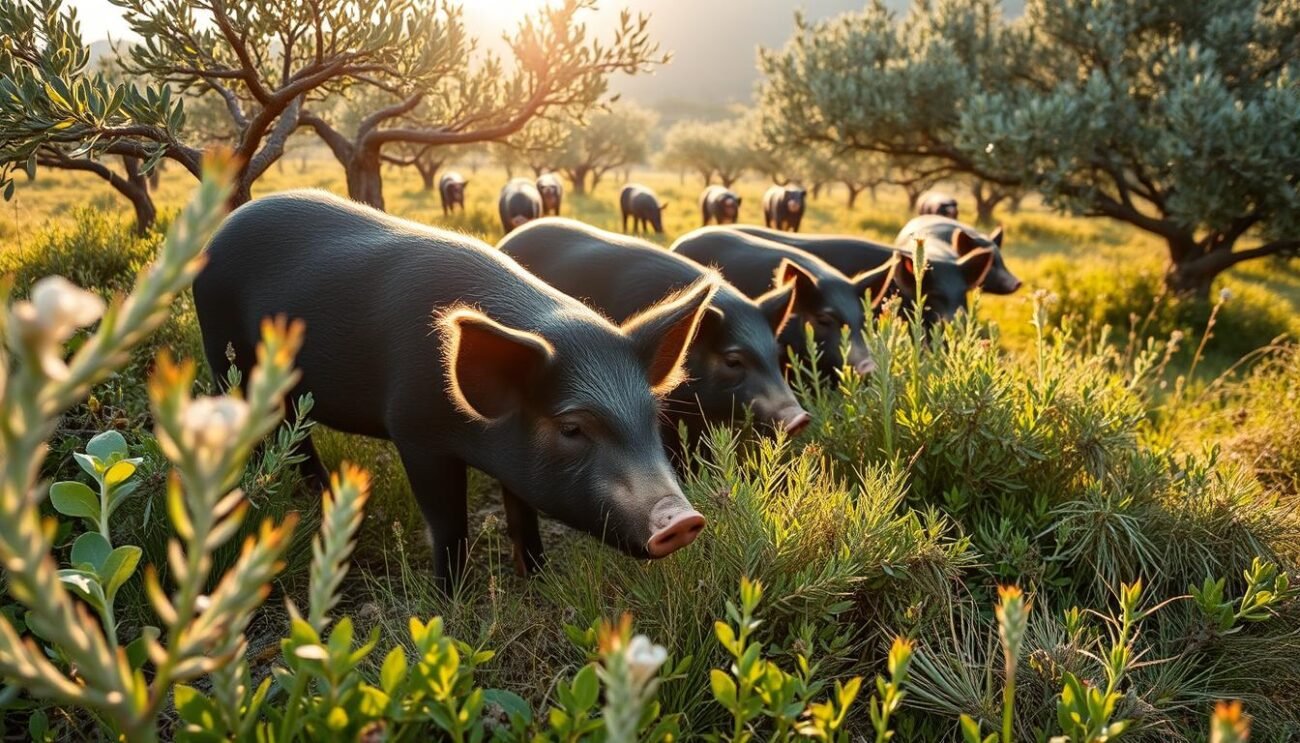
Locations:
783 207
552 192
937 202
645 209
439 343
945 284
519 203
824 297
948 239
719 205
735 362
451 189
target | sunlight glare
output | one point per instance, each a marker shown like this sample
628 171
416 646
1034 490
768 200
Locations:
503 14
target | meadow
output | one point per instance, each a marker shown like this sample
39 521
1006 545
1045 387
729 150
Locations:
1130 461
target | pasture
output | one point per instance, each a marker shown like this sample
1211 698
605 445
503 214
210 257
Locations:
1014 451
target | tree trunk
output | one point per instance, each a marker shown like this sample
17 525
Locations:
853 195
578 177
365 178
986 200
428 172
1193 265
816 191
241 193
728 180
136 189
1190 280
913 196
155 175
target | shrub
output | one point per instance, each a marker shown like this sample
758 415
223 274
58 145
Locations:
1131 299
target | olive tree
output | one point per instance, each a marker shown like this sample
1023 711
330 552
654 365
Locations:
456 97
615 137
264 59
40 45
1179 117
720 149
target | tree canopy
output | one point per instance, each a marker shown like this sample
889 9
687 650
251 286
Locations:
720 149
459 97
613 138
278 64
1180 117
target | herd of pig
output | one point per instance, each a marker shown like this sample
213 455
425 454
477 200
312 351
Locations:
563 361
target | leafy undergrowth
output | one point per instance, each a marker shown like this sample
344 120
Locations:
1154 565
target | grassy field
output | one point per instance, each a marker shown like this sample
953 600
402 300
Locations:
1013 451
1046 250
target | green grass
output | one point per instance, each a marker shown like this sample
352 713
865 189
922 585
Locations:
1004 452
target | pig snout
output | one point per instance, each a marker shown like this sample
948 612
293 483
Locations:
794 420
861 362
794 205
673 525
518 220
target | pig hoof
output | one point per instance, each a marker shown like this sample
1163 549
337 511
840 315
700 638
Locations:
680 531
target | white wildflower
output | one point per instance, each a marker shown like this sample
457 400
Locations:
644 659
56 310
1225 294
209 425
62 307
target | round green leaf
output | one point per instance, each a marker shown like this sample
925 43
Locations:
107 444
86 585
91 549
91 465
118 568
393 672
74 499
515 707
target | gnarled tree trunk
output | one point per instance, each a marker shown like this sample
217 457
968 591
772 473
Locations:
365 177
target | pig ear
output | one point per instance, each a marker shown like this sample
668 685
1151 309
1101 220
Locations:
975 266
488 365
777 305
962 243
871 284
995 236
663 205
712 321
805 283
663 333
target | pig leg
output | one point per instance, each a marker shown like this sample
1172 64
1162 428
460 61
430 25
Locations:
313 470
439 486
521 522
625 223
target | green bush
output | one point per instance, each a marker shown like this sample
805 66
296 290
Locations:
1130 298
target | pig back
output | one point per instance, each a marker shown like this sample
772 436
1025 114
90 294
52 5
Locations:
368 287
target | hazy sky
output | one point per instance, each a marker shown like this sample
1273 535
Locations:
713 42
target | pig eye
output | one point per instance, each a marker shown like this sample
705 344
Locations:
570 430
828 320
734 360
